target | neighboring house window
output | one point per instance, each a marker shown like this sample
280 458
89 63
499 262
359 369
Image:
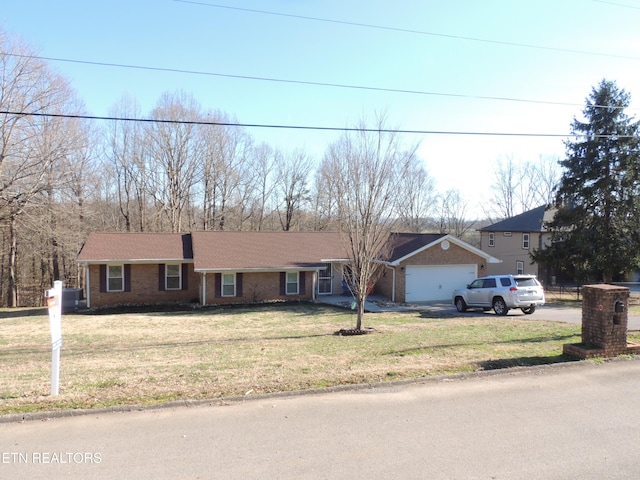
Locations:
492 239
519 267
292 283
173 276
228 284
115 278
506 234
525 241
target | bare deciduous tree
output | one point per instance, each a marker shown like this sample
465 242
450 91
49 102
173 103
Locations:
174 151
265 161
418 200
31 142
522 186
363 170
291 186
125 151
227 179
453 215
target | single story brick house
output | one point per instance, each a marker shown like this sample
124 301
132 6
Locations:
240 267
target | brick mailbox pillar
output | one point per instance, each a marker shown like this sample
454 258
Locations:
604 323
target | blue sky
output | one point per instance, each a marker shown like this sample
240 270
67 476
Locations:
205 38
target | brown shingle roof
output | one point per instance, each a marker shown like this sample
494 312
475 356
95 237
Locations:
106 247
402 244
264 250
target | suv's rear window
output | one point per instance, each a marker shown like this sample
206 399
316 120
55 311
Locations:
526 282
505 282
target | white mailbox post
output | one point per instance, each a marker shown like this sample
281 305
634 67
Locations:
54 305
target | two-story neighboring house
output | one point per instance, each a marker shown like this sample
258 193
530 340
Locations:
514 239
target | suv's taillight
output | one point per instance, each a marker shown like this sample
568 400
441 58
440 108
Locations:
514 289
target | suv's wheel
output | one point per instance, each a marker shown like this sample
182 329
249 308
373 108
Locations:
499 306
460 305
529 310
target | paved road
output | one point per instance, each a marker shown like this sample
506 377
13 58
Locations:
567 421
546 312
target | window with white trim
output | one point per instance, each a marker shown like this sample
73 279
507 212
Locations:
492 239
115 278
228 284
292 283
519 267
173 276
525 241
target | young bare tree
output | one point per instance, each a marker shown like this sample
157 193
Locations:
364 170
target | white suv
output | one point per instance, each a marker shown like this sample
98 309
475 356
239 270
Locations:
501 292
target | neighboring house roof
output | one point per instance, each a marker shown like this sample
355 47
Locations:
136 247
530 221
406 245
265 250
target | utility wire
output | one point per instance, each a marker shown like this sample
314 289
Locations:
305 82
617 4
304 127
418 32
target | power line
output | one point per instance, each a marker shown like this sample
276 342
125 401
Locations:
305 82
617 4
417 32
305 127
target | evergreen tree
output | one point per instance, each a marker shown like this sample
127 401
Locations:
595 234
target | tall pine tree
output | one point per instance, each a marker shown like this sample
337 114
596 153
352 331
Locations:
595 234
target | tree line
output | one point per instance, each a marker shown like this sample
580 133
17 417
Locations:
181 169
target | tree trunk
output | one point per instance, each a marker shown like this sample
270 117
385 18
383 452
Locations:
360 305
12 294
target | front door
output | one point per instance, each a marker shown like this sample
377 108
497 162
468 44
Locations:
324 280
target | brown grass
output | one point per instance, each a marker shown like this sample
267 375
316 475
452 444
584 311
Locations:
148 358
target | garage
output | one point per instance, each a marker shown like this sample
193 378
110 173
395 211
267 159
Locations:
436 282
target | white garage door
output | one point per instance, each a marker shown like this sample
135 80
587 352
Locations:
436 282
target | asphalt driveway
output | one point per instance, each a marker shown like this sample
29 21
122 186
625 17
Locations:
552 313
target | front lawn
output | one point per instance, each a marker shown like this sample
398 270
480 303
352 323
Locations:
146 358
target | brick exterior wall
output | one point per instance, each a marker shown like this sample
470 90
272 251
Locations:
144 288
604 331
455 255
258 287
602 327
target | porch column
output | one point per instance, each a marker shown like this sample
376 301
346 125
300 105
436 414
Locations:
203 294
87 284
314 284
